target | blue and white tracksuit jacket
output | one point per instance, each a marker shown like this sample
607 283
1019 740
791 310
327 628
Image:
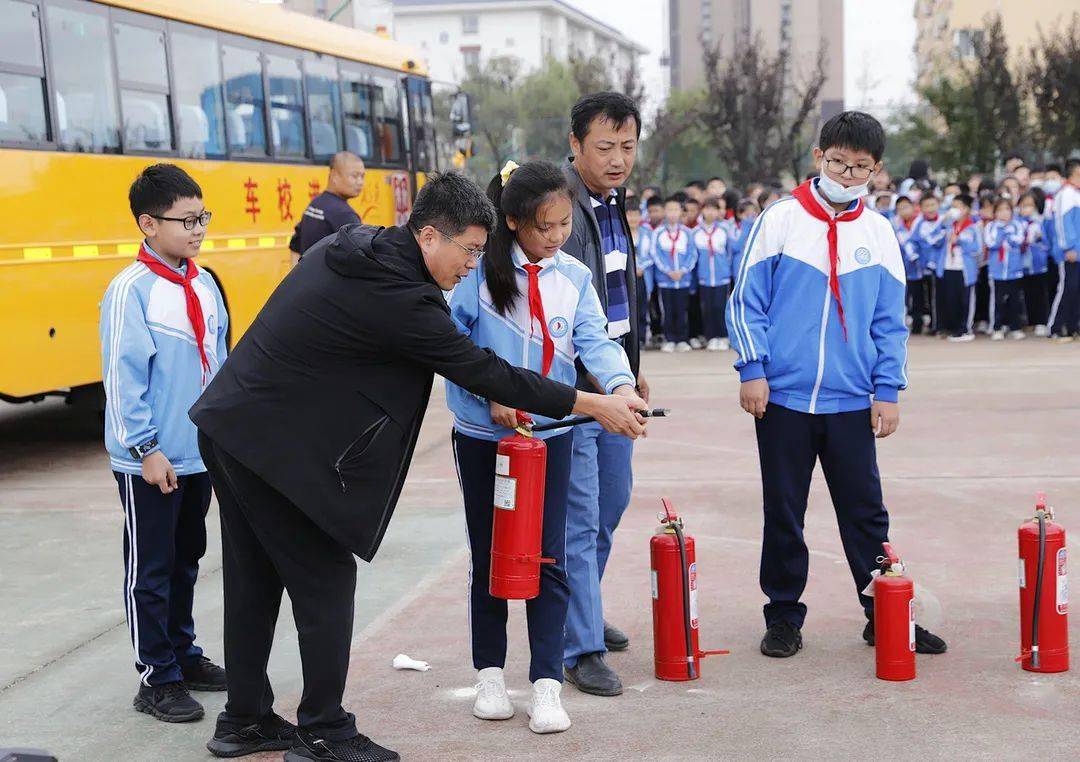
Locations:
783 319
644 256
576 323
151 367
1036 248
909 248
664 263
931 238
740 231
1066 220
713 269
966 250
1005 238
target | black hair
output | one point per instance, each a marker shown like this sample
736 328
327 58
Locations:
528 188
731 198
677 198
747 203
451 202
656 200
987 198
965 199
904 200
608 106
695 184
987 185
928 197
691 200
158 187
1014 155
1037 196
763 197
1002 200
713 201
715 179
1052 168
1070 166
856 130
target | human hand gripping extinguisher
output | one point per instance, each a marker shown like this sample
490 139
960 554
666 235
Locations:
894 619
674 591
1044 593
518 522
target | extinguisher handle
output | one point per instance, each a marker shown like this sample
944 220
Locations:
659 412
669 511
890 554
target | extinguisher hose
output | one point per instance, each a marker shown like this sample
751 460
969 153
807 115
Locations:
1041 517
685 601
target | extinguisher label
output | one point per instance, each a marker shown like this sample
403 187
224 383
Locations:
911 625
505 493
1022 574
693 595
655 586
502 465
1062 584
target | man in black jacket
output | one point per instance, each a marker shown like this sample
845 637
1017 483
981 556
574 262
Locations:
307 432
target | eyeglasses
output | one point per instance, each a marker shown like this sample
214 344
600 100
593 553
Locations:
189 222
840 167
474 253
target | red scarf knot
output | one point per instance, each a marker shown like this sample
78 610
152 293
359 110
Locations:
536 311
191 299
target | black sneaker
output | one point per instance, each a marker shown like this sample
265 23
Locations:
272 733
926 642
203 675
356 749
781 640
169 703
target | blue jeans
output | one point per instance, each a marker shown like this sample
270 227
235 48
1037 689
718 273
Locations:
600 482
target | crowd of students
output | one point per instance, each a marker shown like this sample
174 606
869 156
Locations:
987 257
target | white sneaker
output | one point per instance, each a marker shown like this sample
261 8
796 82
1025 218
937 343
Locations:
546 714
982 327
695 343
1017 335
1042 330
668 346
963 337
492 700
998 335
682 346
713 345
724 345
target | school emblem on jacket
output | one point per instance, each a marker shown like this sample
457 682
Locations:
558 326
862 255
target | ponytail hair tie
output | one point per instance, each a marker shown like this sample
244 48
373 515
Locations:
507 170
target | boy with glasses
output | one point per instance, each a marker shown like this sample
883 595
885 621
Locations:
163 329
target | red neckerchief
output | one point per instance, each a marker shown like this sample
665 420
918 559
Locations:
191 299
805 196
959 227
908 224
1026 245
708 237
1001 249
674 240
536 310
729 214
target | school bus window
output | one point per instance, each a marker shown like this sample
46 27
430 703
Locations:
144 88
82 74
286 106
245 101
324 105
22 75
356 103
388 119
200 113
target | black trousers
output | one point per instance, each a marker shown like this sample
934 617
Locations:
546 614
674 304
1036 298
1008 304
1066 308
789 444
268 544
932 299
713 305
955 303
695 323
916 303
656 320
982 295
164 538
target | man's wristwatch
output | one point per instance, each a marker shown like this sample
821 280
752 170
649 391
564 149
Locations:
141 451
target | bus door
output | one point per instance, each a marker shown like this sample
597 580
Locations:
421 128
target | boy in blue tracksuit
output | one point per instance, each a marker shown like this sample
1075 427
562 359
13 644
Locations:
163 334
640 233
712 240
1036 252
673 257
1066 308
931 238
903 223
958 270
739 227
817 317
1004 242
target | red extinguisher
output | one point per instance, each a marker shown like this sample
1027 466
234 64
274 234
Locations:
1044 593
894 619
674 591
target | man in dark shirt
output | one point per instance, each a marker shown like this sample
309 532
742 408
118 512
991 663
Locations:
330 211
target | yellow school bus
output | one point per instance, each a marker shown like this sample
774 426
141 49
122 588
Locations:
252 100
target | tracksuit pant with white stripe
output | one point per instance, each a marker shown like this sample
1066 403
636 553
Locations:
546 614
164 538
789 444
1066 308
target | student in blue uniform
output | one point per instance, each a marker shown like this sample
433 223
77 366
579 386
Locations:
535 306
673 257
903 223
163 329
817 318
1036 253
931 236
1065 313
1004 241
712 240
746 212
958 270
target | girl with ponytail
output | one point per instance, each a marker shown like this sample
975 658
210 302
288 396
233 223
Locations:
534 306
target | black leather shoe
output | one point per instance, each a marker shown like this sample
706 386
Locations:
781 640
359 748
203 675
615 639
272 733
926 642
592 675
169 703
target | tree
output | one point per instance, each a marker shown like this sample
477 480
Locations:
495 107
757 119
1052 78
995 97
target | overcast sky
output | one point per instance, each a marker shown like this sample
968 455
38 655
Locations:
879 65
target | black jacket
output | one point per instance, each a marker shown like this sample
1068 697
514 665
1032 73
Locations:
324 395
584 243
